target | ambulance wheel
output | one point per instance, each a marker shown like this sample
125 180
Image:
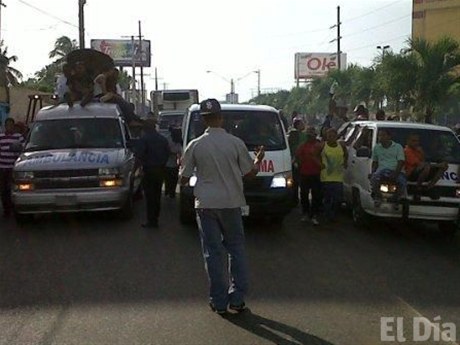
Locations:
127 211
359 215
448 228
22 218
186 212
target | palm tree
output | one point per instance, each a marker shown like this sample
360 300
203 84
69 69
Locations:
8 75
63 46
437 73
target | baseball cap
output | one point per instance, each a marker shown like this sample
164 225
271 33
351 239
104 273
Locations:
210 106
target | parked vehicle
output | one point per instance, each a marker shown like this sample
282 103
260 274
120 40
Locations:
172 100
270 193
76 159
440 144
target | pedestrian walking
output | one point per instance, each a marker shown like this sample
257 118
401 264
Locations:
172 165
296 137
334 158
220 161
308 155
8 157
152 153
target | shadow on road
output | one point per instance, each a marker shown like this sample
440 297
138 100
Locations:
273 331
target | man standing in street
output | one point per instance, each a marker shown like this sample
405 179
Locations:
7 159
220 161
152 153
296 137
309 157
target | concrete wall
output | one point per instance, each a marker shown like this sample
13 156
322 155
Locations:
432 19
19 102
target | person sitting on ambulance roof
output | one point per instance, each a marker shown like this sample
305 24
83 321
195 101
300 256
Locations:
417 169
387 163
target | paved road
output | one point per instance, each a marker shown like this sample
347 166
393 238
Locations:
95 280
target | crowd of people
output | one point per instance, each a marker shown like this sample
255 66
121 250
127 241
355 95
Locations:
319 161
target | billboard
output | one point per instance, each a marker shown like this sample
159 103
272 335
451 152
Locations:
121 51
314 65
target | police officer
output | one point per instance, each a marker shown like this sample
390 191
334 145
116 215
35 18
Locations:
152 153
220 161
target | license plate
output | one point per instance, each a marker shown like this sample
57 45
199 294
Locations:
66 200
245 211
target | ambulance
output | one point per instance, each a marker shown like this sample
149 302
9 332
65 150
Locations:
270 193
76 159
439 204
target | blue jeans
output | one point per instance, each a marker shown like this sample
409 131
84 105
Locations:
333 195
222 241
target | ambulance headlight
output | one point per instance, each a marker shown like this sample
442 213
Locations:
283 180
192 181
24 175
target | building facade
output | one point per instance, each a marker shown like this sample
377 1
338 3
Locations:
433 19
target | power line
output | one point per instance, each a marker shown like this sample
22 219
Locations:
48 14
373 11
380 25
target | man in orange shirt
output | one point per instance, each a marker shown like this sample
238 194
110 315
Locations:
417 170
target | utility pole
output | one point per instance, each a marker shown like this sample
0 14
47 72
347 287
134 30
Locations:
339 52
258 82
81 22
140 52
156 79
1 5
133 63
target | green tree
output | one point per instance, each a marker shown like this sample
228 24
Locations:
437 73
8 75
63 46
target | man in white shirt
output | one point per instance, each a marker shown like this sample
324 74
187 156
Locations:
220 161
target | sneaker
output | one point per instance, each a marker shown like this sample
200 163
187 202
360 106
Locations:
238 308
314 221
305 219
217 311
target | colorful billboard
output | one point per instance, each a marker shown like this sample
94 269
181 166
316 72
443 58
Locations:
314 65
121 51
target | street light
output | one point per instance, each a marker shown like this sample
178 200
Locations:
383 49
232 81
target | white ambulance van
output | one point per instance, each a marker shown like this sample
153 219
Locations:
76 159
270 193
441 204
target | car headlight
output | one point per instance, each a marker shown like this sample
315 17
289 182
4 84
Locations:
192 181
457 193
388 188
24 175
109 172
282 180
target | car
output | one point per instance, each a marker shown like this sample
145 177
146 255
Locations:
76 159
270 193
360 138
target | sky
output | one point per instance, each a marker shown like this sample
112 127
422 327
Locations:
230 38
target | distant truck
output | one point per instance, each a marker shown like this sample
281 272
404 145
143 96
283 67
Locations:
172 100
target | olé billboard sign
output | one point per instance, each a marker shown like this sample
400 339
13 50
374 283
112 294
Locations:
313 65
121 51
